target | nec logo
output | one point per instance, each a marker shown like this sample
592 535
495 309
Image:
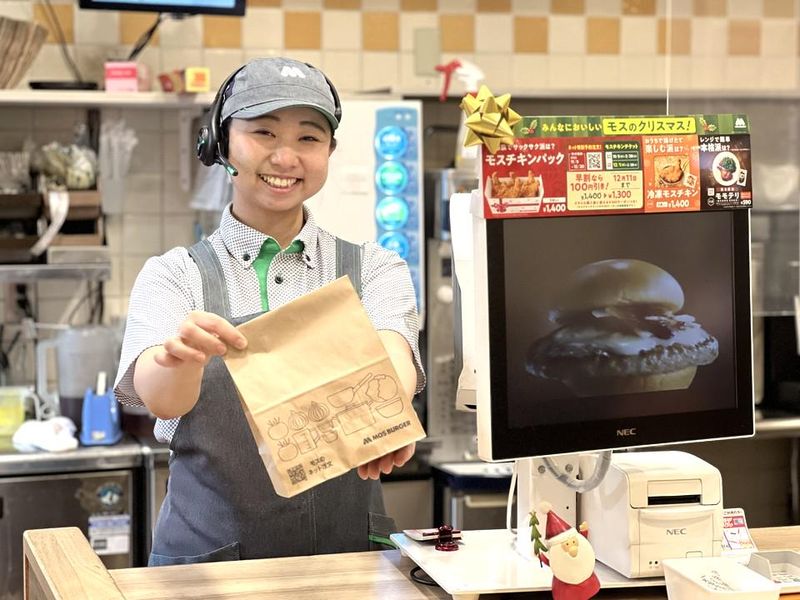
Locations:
678 531
288 71
626 432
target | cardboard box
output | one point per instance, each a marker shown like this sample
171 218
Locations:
121 77
197 79
191 79
126 76
20 206
83 204
84 223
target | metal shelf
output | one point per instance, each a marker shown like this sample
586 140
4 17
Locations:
101 99
26 273
188 106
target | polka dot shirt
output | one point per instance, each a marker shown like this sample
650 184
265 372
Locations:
169 287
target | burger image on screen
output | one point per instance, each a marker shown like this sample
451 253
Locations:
620 332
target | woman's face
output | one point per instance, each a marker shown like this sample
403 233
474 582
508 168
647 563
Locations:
282 159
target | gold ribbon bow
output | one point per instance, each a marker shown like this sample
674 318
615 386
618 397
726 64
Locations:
489 119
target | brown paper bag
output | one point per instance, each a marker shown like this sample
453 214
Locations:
319 390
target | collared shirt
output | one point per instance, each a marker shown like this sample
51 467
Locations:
169 287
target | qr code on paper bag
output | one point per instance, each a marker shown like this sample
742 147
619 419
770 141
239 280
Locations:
296 474
594 161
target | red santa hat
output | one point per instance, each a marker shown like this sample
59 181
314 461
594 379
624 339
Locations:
557 530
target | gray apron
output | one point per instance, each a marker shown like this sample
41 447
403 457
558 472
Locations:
220 503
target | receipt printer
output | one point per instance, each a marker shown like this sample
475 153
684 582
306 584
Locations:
651 506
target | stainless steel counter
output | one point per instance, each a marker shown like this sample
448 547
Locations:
147 452
123 455
154 450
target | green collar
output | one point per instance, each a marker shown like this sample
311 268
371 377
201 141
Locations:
269 249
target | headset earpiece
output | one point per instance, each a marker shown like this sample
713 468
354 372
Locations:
337 105
204 149
211 144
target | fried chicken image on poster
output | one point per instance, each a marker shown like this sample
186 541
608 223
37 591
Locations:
620 331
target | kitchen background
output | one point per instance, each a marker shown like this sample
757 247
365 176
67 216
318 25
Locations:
554 56
528 47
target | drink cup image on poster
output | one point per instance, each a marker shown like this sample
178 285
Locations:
622 317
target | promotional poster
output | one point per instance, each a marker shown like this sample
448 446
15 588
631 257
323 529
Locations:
558 166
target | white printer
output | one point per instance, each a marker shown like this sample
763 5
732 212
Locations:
652 506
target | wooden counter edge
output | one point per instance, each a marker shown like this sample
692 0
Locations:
59 564
777 538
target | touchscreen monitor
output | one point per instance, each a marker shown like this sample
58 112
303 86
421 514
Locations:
615 331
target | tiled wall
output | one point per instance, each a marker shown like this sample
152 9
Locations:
520 44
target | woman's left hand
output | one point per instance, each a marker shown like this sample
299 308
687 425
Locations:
385 464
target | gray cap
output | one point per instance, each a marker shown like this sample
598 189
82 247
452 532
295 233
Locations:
265 85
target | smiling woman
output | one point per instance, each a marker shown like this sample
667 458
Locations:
282 159
272 127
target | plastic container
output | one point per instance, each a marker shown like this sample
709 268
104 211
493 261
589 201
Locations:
781 566
13 401
715 578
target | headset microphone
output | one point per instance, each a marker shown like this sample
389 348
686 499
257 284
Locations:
223 160
211 139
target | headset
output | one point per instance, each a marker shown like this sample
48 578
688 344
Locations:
212 141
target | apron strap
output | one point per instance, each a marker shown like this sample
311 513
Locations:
215 291
348 262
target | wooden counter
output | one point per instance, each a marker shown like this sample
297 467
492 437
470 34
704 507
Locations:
60 565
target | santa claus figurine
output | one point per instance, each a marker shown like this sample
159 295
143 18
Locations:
569 555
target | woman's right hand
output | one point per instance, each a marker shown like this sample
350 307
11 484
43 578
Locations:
201 336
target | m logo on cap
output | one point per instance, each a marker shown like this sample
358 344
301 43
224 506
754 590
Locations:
288 71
